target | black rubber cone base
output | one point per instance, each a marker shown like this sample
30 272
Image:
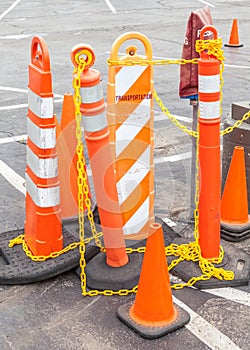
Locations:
235 260
235 233
153 332
102 276
17 268
231 45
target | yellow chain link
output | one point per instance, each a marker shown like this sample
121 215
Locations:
237 124
172 118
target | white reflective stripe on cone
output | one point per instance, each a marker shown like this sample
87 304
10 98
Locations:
91 94
95 122
45 168
44 138
43 197
209 110
41 106
209 83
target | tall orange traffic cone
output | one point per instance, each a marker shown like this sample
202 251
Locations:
67 158
234 36
153 313
234 203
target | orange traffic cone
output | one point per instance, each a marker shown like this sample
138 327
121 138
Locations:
234 36
67 158
153 313
234 203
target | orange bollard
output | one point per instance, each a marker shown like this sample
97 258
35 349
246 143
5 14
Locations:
234 202
153 313
43 229
234 36
96 134
209 152
130 119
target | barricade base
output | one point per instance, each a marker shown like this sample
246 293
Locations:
17 268
152 332
102 276
235 233
233 257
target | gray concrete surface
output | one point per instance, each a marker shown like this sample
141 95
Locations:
53 314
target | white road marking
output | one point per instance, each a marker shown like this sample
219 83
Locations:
206 332
12 177
15 3
236 295
111 7
174 158
206 3
16 36
13 139
7 88
158 116
25 91
22 105
235 66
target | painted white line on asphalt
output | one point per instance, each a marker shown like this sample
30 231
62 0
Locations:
158 116
111 7
15 3
25 91
206 3
174 158
6 88
234 66
13 139
206 332
12 177
8 108
22 105
16 36
238 296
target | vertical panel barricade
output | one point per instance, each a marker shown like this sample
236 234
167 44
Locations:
43 229
209 152
130 118
96 135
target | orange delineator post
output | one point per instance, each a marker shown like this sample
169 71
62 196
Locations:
131 124
43 229
96 134
234 202
209 152
234 35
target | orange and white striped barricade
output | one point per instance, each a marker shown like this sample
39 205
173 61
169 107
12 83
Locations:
130 118
209 151
43 229
96 135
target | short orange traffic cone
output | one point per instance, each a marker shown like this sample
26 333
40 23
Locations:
234 203
153 313
234 36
